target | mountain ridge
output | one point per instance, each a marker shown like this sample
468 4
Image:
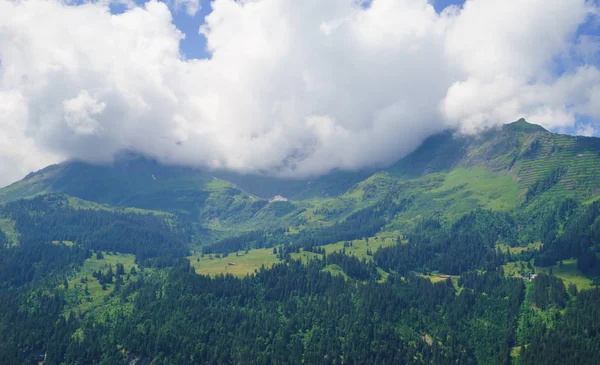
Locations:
468 170
254 184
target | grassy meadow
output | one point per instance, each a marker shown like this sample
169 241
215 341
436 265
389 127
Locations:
243 265
81 302
569 273
8 227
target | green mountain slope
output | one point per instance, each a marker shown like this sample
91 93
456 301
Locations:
327 186
448 176
524 151
520 166
432 261
137 182
132 176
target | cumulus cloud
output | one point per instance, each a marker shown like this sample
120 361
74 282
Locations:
19 153
586 130
79 113
292 87
191 7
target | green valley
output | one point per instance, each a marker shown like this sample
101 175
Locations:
470 250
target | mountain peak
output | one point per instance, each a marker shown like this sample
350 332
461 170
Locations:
524 126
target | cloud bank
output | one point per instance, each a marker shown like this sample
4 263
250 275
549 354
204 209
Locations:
292 88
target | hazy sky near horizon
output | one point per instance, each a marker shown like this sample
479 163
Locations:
285 87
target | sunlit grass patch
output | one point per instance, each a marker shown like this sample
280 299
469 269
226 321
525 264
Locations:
569 273
77 298
241 265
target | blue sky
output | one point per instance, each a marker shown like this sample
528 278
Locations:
194 44
440 5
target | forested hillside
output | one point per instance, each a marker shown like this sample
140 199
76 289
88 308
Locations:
471 250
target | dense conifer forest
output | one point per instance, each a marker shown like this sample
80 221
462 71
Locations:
294 312
463 266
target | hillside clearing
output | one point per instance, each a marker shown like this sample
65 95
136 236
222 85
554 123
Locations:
82 303
245 264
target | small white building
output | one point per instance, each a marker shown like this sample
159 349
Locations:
278 198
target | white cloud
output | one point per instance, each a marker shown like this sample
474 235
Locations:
79 113
506 50
292 87
19 153
586 130
191 7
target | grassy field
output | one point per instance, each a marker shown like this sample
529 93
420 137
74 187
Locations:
246 264
449 196
437 278
8 227
305 256
516 269
358 248
432 278
82 303
335 270
493 191
66 243
242 265
569 273
536 246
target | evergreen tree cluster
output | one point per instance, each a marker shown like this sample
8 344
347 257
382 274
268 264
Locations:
295 314
47 219
300 313
580 237
3 238
36 262
548 290
466 245
573 338
361 224
246 241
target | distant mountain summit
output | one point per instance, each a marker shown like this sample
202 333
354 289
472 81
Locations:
523 126
526 151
